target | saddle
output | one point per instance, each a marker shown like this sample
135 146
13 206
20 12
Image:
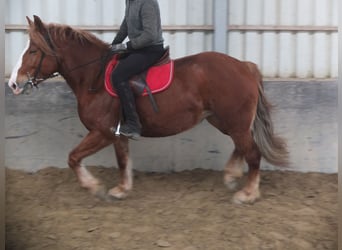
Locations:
154 80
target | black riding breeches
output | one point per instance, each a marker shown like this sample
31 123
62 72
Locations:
135 63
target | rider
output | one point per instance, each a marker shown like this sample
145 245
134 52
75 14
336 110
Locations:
142 26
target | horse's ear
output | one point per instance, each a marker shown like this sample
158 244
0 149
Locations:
29 21
39 24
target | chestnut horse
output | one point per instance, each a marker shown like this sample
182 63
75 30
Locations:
226 92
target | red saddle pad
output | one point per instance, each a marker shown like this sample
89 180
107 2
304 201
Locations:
158 77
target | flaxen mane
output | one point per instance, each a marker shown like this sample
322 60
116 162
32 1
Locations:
62 34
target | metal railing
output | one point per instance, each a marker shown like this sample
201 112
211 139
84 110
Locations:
203 28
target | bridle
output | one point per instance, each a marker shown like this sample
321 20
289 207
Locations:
33 81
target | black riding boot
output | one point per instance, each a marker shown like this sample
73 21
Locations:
131 127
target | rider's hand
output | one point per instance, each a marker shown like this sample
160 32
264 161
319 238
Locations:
117 48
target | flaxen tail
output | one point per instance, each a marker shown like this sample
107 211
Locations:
272 147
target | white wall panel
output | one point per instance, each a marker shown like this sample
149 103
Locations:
333 55
304 55
304 44
270 50
287 54
236 39
236 12
253 35
13 52
253 39
322 55
270 46
296 39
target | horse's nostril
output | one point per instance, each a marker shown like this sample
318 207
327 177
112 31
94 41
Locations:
14 86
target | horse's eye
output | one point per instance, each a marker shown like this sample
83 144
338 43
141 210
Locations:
33 51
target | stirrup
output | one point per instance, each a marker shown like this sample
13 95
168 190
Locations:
116 131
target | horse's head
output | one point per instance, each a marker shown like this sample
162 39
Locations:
37 62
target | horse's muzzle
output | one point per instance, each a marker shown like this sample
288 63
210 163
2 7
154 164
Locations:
15 88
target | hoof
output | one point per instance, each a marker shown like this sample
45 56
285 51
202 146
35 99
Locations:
230 183
99 192
243 197
117 193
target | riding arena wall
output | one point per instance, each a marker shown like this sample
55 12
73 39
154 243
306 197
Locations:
293 42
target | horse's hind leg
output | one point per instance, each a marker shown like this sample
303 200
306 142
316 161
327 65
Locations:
250 192
125 169
92 143
233 169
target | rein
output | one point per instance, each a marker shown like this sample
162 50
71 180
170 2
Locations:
34 81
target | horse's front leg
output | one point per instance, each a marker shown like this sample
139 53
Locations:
125 169
93 142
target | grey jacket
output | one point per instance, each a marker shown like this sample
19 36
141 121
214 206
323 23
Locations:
141 24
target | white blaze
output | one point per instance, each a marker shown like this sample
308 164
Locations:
12 83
